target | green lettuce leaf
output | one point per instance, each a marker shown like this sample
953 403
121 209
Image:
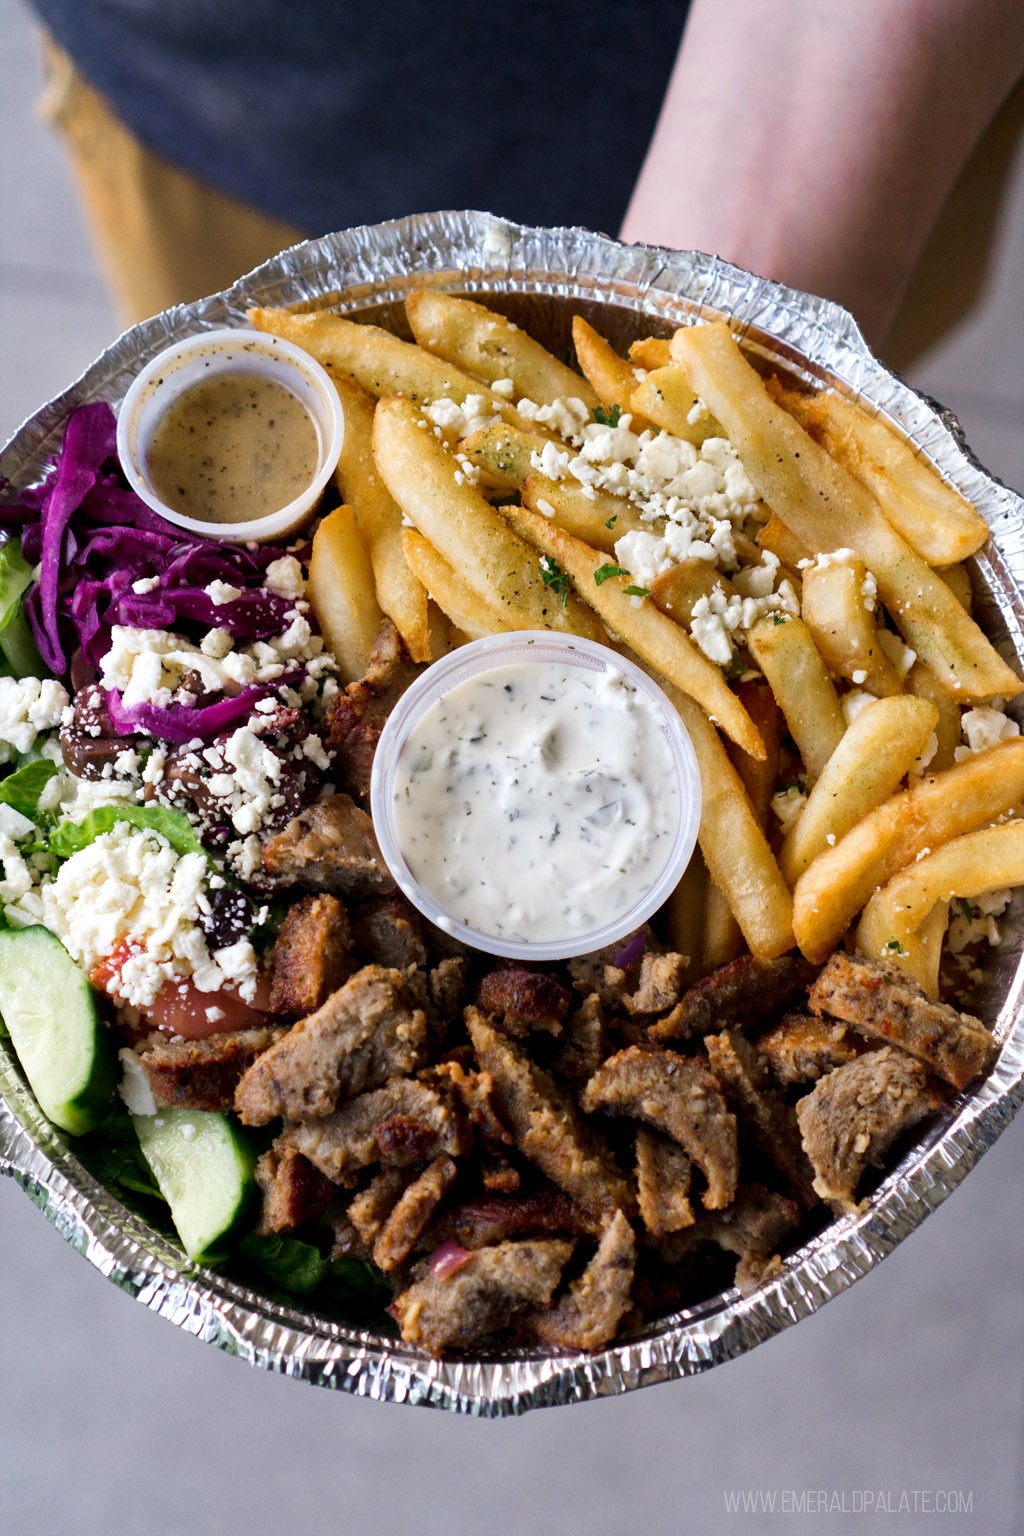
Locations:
17 648
22 788
71 837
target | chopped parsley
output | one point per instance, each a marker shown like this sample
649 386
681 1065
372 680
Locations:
735 667
606 572
609 418
611 521
637 591
554 577
966 908
896 948
780 618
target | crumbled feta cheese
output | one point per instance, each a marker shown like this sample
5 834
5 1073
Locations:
901 656
787 805
13 824
853 702
984 727
285 576
145 584
859 676
504 387
28 707
221 592
544 507
719 621
974 921
551 461
458 421
216 643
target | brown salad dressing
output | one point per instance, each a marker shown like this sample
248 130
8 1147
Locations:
233 447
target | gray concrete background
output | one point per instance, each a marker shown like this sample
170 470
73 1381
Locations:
113 1423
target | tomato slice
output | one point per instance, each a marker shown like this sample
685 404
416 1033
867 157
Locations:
180 1007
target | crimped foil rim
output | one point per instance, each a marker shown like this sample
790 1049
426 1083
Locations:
475 252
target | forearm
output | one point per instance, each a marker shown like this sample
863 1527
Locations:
815 141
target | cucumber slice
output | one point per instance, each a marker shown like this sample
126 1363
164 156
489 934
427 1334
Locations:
49 1009
204 1167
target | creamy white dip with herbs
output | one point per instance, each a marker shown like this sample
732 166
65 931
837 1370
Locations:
538 802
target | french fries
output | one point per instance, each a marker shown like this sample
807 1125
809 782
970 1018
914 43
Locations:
840 881
598 520
832 606
933 518
892 922
922 682
341 590
651 352
483 343
827 509
419 472
610 376
666 399
379 519
790 660
457 600
677 590
875 755
503 452
662 644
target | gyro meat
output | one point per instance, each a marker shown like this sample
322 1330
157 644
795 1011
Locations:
854 1114
369 1210
389 931
312 955
367 1032
589 1315
752 1228
800 1049
401 1124
356 717
412 1211
481 1296
330 846
490 1219
680 1096
884 1003
545 1125
292 1190
583 1043
202 1074
524 1000
739 992
770 1123
663 1173
660 985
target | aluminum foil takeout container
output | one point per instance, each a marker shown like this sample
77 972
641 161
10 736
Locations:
540 277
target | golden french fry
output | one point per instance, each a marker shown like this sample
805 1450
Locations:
735 849
840 881
958 580
775 536
662 644
827 509
790 660
676 590
379 519
935 520
484 343
342 593
922 682
891 923
443 636
382 363
503 452
930 937
684 913
760 775
876 753
832 606
610 376
419 472
651 352
666 399
598 520
462 605
722 938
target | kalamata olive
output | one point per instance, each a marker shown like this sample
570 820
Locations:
230 918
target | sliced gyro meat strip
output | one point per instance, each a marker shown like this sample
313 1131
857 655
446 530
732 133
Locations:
769 1122
367 1032
800 1048
680 1096
330 846
583 1043
389 931
356 717
370 1209
589 1315
398 1125
292 1190
884 1003
663 1173
854 1114
489 1219
740 992
482 1296
202 1074
411 1214
312 955
545 1124
752 1228
660 985
524 1000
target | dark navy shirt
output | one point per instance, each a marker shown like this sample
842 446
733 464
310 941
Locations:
331 114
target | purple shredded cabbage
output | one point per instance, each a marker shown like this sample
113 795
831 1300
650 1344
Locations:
94 538
178 722
631 951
